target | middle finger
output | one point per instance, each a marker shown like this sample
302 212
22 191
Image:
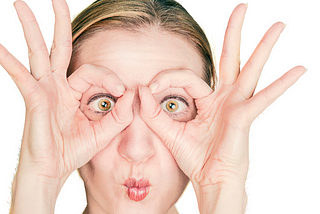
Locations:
38 52
62 42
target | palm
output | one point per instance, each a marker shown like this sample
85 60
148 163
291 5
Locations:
214 146
58 137
221 149
53 109
227 149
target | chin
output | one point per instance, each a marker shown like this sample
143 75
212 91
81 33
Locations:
110 198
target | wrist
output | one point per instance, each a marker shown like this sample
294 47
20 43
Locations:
32 193
221 197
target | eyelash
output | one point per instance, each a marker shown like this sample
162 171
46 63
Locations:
98 96
175 97
168 97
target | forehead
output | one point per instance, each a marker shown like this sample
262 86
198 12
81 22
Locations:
137 57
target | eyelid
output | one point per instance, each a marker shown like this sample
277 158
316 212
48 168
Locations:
177 97
100 95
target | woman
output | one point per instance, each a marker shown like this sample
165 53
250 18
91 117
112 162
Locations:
137 114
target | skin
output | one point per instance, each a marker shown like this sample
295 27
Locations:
211 149
136 58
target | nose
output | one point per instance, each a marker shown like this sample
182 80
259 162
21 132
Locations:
137 140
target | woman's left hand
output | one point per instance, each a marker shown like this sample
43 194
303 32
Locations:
213 148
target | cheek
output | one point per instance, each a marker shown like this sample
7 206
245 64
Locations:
171 178
102 184
105 173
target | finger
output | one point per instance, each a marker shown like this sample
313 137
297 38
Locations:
259 102
38 53
87 75
192 84
151 112
251 72
20 75
62 42
230 57
115 121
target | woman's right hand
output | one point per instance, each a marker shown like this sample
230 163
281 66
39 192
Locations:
58 138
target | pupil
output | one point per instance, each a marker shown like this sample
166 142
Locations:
172 105
104 105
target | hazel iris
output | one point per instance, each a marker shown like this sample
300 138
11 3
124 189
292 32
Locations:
104 105
172 105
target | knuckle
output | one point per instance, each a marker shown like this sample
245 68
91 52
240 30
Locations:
265 42
283 85
31 20
109 75
120 118
231 26
41 47
4 55
265 94
249 65
225 53
20 69
85 67
65 43
155 113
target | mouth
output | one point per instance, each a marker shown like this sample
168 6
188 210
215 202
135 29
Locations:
137 190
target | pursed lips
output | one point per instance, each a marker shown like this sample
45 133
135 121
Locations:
137 190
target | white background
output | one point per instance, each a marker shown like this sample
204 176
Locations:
284 175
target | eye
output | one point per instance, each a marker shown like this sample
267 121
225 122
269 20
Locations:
173 104
101 103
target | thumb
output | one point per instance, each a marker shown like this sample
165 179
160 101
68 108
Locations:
167 129
115 121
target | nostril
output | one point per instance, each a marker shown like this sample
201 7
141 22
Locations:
136 151
136 142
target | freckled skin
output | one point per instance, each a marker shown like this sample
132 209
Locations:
136 58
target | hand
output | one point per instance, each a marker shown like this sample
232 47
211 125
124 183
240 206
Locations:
58 138
213 148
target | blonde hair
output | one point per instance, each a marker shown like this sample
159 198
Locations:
168 15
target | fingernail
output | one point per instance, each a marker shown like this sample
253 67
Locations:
133 94
139 91
247 4
154 86
121 89
53 47
284 26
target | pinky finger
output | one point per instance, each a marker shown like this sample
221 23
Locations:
18 72
259 102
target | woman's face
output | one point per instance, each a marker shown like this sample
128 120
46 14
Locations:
136 154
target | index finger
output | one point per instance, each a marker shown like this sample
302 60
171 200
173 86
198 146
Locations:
186 79
87 75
